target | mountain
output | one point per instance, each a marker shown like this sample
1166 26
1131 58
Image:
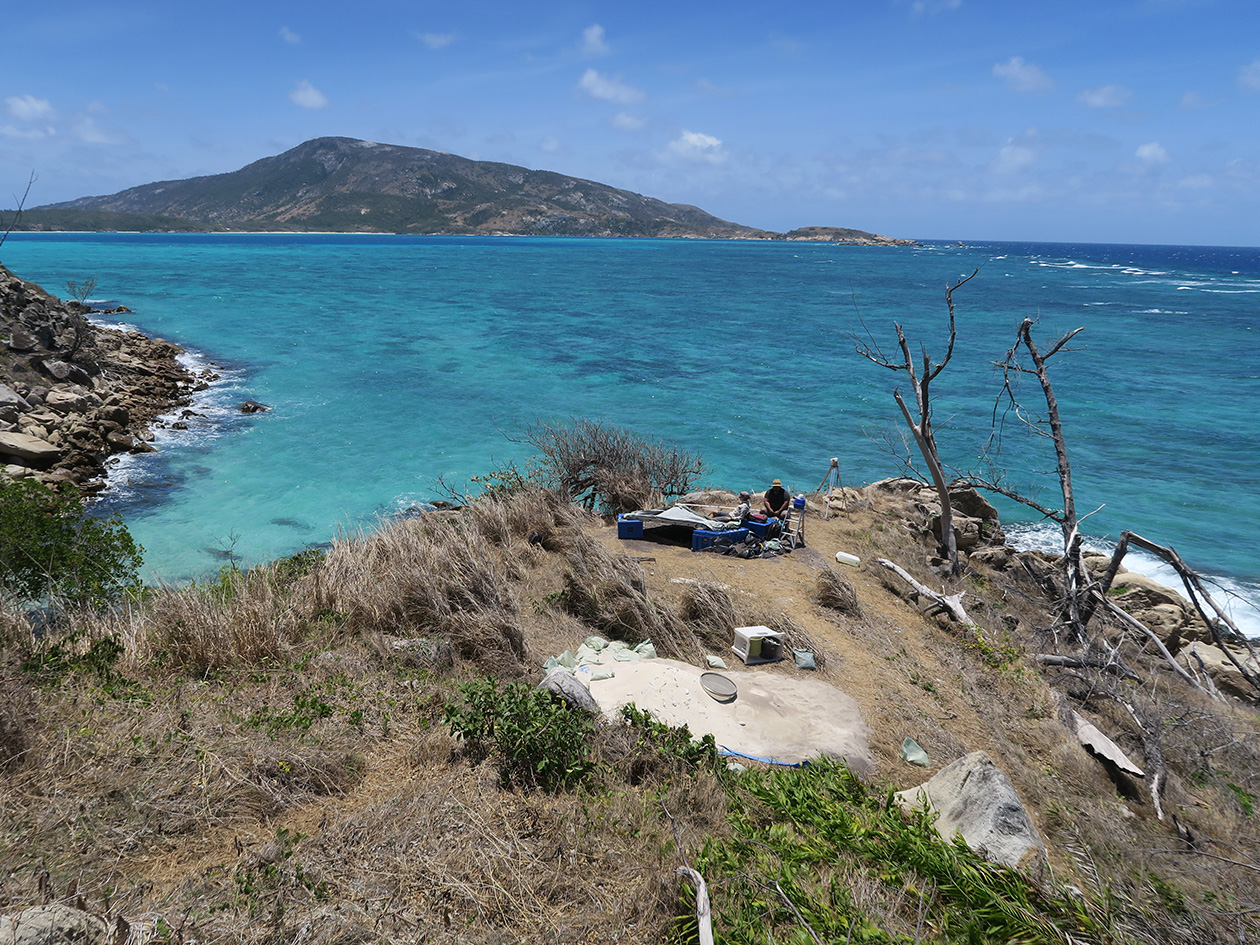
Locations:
348 185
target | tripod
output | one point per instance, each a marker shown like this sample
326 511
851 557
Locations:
831 482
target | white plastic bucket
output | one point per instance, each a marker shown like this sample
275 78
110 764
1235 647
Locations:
845 558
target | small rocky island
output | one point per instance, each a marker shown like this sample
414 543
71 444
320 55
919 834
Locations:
73 393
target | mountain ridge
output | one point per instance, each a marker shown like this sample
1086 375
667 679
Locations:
339 184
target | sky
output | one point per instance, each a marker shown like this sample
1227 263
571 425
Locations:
1133 121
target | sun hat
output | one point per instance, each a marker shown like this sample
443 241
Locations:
776 483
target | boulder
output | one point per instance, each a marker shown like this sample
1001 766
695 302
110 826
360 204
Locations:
53 925
1207 658
32 450
22 340
572 690
253 406
974 798
11 398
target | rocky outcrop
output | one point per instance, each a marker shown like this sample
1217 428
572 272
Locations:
977 527
73 393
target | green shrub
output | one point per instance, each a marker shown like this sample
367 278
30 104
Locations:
52 550
533 737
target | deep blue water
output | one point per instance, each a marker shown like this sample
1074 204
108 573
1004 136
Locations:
392 361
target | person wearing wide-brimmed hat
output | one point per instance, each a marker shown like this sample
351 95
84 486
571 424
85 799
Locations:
775 502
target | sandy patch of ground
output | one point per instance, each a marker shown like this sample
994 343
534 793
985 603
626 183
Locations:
775 717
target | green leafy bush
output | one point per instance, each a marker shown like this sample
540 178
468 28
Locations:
52 550
533 737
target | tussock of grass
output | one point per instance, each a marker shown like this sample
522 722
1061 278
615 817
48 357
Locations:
242 619
707 607
833 591
608 593
427 576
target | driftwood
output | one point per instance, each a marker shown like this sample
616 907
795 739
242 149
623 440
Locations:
950 602
704 918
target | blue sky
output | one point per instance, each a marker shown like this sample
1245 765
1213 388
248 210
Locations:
1132 121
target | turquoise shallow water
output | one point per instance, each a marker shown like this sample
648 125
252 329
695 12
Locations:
391 361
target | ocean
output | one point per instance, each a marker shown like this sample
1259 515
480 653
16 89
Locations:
394 365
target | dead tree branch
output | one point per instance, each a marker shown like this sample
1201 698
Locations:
951 602
920 378
17 214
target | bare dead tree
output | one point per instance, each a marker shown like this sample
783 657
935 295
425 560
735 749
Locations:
1075 577
17 214
920 422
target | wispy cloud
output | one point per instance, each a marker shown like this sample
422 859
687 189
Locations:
609 88
697 146
289 36
1022 76
921 7
593 44
1249 77
436 40
550 144
29 108
27 134
1192 100
625 122
1107 96
1152 154
306 95
1012 159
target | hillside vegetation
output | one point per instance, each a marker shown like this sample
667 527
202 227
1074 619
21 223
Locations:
270 756
345 185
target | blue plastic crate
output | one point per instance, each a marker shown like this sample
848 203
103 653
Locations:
759 528
704 538
629 527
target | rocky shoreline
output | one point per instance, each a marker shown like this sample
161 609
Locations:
72 393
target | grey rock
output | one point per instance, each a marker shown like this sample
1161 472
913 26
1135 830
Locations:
570 689
11 398
53 925
974 798
32 450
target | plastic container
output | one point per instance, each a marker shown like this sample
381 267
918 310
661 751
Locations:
629 527
845 558
704 538
798 502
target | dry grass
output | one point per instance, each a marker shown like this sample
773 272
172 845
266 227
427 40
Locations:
263 764
834 591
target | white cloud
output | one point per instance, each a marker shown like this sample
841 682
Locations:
436 40
1192 100
1022 76
550 144
90 133
289 36
1249 77
1107 96
593 44
1012 159
307 96
697 146
608 88
624 122
920 7
28 107
27 134
1196 182
1152 153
